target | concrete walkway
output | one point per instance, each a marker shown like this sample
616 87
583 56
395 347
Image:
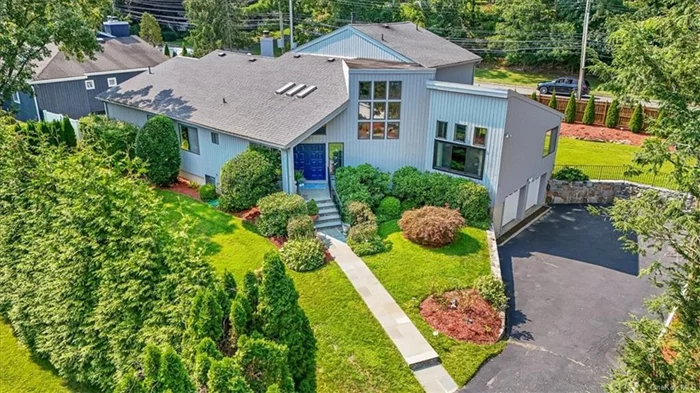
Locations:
414 348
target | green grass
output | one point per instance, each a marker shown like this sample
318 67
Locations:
21 372
514 77
411 272
354 354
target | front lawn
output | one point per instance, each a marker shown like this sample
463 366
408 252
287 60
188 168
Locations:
354 354
411 272
529 79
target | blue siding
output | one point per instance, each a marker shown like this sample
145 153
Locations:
101 86
25 110
63 98
350 43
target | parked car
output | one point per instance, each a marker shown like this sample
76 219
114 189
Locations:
564 85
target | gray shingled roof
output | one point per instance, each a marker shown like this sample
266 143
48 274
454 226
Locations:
194 91
118 54
418 44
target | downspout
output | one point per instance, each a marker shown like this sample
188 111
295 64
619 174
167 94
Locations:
36 104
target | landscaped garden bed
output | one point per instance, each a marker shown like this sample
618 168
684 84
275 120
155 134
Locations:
602 134
463 315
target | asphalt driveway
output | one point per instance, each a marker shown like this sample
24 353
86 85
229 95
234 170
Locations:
571 287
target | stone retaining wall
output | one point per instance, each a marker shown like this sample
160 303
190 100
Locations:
495 261
603 192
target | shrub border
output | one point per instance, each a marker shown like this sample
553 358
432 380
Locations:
495 262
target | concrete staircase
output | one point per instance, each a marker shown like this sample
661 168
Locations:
328 216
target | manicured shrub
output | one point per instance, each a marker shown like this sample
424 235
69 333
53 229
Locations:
312 207
166 50
534 95
363 239
206 353
570 113
473 202
276 210
114 138
637 119
265 365
283 321
205 317
389 209
589 112
359 213
184 51
301 227
553 100
173 375
570 174
612 118
151 365
431 226
130 383
250 289
245 179
157 145
207 192
241 318
225 377
493 291
68 133
303 255
363 183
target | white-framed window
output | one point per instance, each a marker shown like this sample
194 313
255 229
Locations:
550 141
89 84
379 110
111 82
16 98
479 138
189 139
215 138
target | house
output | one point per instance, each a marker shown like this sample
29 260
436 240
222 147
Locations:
65 86
385 94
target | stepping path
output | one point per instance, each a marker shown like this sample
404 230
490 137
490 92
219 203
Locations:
414 348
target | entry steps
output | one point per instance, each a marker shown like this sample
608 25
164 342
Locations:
328 216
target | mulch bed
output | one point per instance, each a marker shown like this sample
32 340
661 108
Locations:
181 186
462 315
602 134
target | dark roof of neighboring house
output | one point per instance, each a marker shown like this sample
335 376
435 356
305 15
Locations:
118 54
418 44
237 96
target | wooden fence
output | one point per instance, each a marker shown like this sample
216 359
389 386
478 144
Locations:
601 109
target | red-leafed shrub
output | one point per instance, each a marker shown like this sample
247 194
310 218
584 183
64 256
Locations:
431 226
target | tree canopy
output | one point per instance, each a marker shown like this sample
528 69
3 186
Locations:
150 29
217 25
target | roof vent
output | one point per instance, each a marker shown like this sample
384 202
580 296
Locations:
100 40
284 88
221 54
296 55
306 92
296 89
330 59
252 59
385 25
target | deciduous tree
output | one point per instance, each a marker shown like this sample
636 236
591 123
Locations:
217 25
150 30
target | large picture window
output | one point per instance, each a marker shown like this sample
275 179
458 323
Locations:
459 159
379 110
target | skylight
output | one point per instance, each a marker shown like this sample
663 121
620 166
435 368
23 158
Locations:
284 88
306 92
296 89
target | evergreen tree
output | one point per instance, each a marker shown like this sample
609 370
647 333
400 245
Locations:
150 30
166 50
226 291
206 317
570 113
151 367
613 115
283 321
217 25
637 119
553 100
250 289
184 50
266 364
130 383
68 133
206 353
225 377
534 95
589 112
241 318
157 144
173 374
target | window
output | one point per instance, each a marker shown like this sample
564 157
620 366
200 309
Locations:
479 138
441 129
189 139
111 82
550 141
215 138
460 159
379 110
16 98
89 84
460 133
210 179
321 131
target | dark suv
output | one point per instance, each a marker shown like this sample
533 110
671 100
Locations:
564 85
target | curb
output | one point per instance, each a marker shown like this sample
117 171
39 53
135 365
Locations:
495 263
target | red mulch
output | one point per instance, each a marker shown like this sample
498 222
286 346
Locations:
249 215
602 134
462 315
181 187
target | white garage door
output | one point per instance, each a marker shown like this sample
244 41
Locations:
533 192
510 208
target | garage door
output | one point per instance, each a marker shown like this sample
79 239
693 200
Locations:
533 193
510 208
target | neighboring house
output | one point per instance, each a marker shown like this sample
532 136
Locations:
66 86
385 94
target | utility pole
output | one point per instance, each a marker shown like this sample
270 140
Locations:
584 43
292 44
280 42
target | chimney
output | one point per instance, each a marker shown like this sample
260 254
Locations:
116 28
267 45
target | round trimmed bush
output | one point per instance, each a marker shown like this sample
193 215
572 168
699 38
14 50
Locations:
570 174
245 179
359 213
312 207
158 146
493 291
207 192
431 226
363 239
303 255
301 227
389 209
276 210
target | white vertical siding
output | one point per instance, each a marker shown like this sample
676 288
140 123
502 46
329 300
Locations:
474 111
387 154
349 43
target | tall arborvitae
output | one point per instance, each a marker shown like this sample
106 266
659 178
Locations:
553 100
166 50
534 95
589 112
205 317
151 367
250 289
613 115
206 354
283 321
570 113
68 133
637 119
241 319
266 364
173 374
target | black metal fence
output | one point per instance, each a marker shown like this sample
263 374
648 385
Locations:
620 172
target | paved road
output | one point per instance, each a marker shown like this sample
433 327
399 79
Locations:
572 286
